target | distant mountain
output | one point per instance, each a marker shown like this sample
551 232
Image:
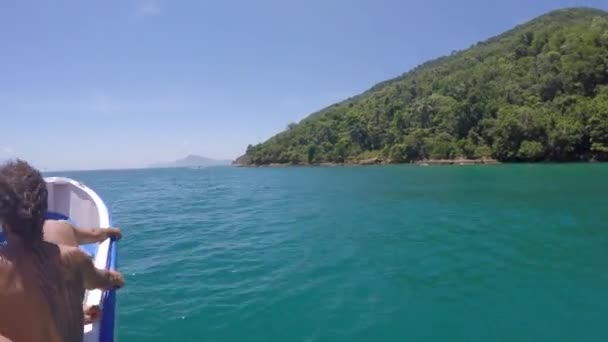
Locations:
193 161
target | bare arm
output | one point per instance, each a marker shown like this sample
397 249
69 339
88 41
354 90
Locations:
91 235
95 278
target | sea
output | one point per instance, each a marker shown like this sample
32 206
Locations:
379 253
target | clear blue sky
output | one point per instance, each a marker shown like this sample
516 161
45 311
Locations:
110 84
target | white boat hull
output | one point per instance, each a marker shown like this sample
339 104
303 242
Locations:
72 200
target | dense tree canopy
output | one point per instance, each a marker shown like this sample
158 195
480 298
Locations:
537 92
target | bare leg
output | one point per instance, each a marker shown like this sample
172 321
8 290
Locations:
63 233
59 233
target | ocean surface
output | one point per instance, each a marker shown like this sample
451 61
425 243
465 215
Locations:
390 253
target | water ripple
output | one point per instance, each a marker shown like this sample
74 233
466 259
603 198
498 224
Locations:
361 254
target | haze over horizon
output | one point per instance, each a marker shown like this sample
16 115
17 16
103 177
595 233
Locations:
125 84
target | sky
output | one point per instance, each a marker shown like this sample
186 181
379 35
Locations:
90 84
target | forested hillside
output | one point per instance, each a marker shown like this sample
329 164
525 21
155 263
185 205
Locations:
537 92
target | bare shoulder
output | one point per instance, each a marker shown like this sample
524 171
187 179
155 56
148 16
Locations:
5 262
73 260
72 254
7 272
5 339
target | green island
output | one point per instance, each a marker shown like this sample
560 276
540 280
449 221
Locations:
538 92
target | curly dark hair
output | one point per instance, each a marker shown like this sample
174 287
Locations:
23 200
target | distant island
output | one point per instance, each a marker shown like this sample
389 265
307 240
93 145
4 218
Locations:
192 161
538 92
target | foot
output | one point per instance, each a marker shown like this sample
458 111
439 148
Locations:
91 313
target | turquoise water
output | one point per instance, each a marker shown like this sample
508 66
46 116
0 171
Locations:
399 253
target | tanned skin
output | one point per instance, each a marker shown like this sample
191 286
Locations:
42 284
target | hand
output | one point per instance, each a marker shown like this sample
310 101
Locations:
114 233
116 279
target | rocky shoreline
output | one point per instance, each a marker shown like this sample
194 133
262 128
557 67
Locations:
458 161
380 161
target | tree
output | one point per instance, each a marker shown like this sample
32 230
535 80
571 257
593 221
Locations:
530 151
312 150
598 129
441 146
565 137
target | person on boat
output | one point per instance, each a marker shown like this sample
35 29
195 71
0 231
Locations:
42 284
62 232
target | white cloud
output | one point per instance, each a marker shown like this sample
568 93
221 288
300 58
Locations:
149 8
